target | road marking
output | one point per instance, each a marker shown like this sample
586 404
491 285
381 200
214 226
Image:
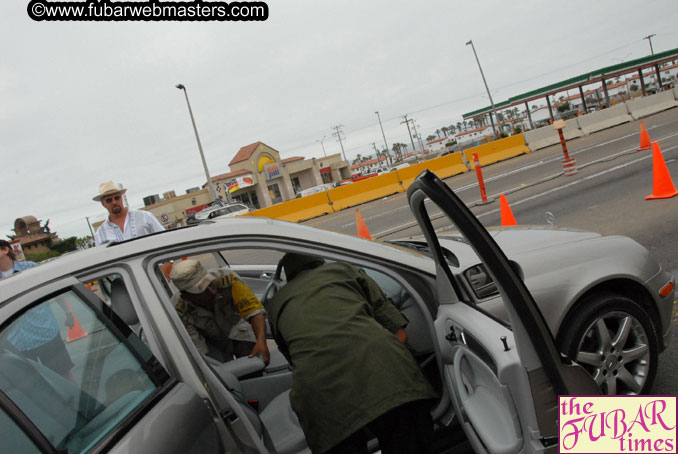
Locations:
536 196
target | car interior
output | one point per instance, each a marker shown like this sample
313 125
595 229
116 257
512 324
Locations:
262 391
76 414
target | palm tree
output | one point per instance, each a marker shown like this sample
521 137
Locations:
431 137
445 129
438 132
358 159
459 126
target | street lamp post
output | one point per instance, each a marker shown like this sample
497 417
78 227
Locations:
210 186
322 145
486 89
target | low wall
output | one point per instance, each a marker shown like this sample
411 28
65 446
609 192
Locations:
498 150
603 119
546 136
571 130
648 105
297 210
364 190
444 167
541 137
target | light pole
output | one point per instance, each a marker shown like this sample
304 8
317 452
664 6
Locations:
486 89
383 135
210 186
322 145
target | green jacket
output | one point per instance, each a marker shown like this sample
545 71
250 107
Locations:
348 366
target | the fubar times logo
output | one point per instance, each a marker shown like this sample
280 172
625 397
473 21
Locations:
617 424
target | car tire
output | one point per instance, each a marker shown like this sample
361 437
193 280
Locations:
613 338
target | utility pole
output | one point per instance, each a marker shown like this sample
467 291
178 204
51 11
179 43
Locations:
322 145
338 134
417 135
649 38
382 134
374 145
407 122
90 227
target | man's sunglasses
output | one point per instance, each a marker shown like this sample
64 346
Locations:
110 199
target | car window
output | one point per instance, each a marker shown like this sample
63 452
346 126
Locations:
13 438
74 372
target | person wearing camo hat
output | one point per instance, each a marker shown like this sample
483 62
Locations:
219 311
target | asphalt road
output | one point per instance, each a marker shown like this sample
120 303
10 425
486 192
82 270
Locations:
607 195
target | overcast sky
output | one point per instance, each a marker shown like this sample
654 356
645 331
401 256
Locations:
86 102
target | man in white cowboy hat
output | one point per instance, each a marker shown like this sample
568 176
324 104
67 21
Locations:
122 223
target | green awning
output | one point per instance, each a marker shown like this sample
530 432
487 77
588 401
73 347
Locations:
582 79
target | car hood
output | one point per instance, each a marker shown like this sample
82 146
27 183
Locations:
519 242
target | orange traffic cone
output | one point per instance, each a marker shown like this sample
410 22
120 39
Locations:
644 138
663 187
75 332
506 213
362 228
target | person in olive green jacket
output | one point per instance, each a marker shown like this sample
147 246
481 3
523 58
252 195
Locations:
351 368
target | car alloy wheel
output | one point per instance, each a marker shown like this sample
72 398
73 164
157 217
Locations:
614 340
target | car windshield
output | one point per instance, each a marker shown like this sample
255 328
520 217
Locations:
78 390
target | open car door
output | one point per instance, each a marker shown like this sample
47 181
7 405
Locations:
504 381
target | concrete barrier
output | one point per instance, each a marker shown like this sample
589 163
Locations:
498 150
603 119
297 210
364 190
546 136
541 137
648 105
444 167
572 129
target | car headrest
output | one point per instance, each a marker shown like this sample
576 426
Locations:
121 303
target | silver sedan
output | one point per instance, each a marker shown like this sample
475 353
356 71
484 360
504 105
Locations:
129 377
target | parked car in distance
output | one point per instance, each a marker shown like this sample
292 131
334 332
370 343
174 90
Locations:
399 166
224 211
314 190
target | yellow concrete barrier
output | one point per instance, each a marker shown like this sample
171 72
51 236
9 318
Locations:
498 150
364 190
444 167
297 210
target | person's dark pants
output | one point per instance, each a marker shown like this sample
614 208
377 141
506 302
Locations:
52 354
407 429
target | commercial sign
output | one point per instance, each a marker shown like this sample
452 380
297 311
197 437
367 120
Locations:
18 251
240 183
272 171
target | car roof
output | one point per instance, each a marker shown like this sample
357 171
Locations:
238 227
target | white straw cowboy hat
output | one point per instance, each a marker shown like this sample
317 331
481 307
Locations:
108 188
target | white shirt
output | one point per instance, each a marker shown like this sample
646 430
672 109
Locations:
137 223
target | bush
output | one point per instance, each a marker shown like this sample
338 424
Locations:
67 245
40 256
